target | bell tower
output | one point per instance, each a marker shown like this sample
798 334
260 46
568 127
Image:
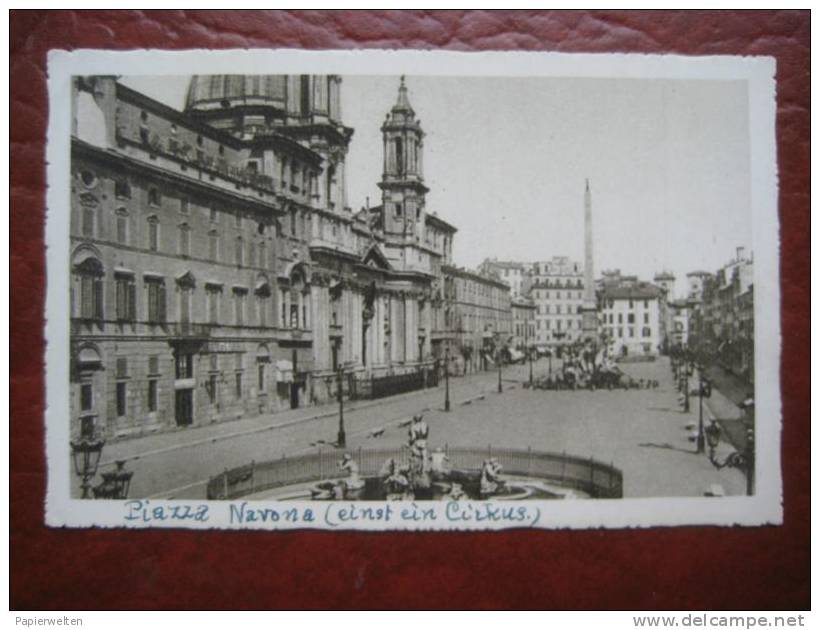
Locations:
402 182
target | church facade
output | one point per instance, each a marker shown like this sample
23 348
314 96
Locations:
216 269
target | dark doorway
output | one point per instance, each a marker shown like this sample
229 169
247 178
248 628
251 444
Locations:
184 407
294 395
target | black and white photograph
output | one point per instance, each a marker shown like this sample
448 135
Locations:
421 290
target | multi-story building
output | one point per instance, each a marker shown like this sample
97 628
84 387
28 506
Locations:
480 317
556 287
216 270
630 315
523 316
514 274
678 323
725 315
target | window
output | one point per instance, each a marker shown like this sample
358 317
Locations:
631 331
86 397
646 318
126 297
184 365
620 332
631 304
398 209
260 376
630 318
647 332
262 310
239 251
213 245
263 254
293 222
238 386
212 388
183 206
153 233
90 275
620 318
646 303
184 240
122 226
239 306
237 220
152 395
251 253
154 198
121 396
156 299
399 148
185 294
212 294
304 101
88 218
122 189
214 215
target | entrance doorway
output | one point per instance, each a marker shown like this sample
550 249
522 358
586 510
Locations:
294 395
184 407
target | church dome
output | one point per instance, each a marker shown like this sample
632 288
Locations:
212 91
301 98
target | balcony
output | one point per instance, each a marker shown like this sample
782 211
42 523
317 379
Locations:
336 330
190 331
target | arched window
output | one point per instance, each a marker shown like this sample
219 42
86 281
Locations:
89 272
399 155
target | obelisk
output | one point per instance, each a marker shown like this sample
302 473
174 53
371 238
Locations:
589 309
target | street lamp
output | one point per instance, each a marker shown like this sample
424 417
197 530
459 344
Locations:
498 360
704 391
86 454
529 351
115 484
447 376
341 440
744 461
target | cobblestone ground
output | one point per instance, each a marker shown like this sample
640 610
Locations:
642 432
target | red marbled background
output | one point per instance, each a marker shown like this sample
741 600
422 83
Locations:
680 568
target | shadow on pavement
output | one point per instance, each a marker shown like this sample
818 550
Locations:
668 447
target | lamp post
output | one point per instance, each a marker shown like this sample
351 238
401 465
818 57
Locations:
86 454
701 393
341 440
744 461
498 360
115 484
447 376
529 351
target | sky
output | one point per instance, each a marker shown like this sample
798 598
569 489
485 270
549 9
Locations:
506 159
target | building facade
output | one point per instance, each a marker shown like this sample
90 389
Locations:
216 269
724 317
556 287
523 317
630 316
479 314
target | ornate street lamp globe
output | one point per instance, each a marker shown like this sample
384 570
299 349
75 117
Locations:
86 454
713 434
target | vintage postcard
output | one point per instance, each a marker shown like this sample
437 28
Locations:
388 290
